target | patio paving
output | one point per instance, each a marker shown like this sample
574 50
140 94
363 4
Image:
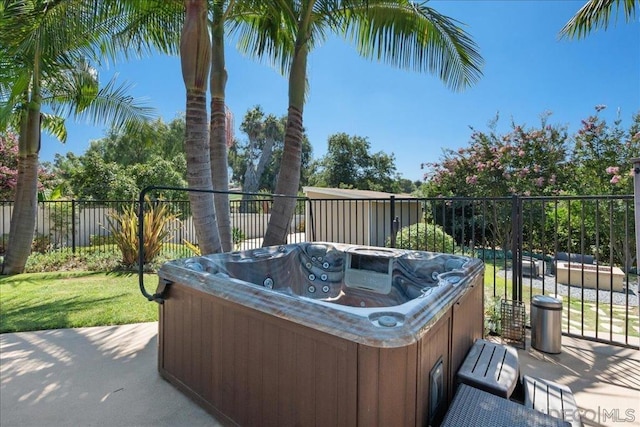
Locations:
604 379
107 376
103 376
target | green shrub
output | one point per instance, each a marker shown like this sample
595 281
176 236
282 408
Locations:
67 261
41 244
124 229
101 240
424 237
492 315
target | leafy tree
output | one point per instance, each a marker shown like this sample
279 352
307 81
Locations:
120 165
255 163
91 177
539 162
402 33
8 164
407 186
263 134
349 164
155 138
45 49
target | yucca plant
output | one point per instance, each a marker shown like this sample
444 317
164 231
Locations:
124 229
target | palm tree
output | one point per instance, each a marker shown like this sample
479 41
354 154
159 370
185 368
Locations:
44 48
195 57
218 143
402 33
595 14
150 26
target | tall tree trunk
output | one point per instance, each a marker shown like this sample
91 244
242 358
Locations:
253 174
265 158
25 207
289 175
195 51
218 141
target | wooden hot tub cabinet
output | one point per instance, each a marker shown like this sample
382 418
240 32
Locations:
250 368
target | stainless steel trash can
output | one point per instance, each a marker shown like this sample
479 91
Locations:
546 323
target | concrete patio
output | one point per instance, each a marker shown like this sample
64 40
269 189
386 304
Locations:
106 376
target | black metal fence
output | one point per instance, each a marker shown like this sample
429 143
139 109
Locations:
579 249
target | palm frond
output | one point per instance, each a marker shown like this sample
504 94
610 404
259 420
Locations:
34 29
266 31
111 104
114 105
413 36
596 14
55 125
143 27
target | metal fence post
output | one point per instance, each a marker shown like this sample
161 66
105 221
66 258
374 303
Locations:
636 197
312 220
516 248
392 216
73 226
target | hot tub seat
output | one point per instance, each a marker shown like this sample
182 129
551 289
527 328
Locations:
551 398
491 367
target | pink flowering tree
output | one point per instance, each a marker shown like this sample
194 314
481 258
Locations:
524 161
601 163
544 161
8 165
602 155
9 168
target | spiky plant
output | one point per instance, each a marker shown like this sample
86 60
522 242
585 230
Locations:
157 229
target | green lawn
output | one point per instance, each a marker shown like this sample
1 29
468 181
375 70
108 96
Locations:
37 301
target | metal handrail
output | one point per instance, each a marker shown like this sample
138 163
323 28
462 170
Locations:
159 296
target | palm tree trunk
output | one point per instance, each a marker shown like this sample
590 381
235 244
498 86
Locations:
23 218
218 141
195 51
289 174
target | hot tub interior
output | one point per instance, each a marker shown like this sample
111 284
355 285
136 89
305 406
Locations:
351 276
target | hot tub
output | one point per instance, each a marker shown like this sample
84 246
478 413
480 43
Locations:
319 333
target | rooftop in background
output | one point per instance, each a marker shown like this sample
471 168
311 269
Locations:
348 193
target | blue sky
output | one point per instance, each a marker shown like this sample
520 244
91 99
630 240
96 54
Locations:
528 71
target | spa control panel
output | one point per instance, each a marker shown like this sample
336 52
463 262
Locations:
369 269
